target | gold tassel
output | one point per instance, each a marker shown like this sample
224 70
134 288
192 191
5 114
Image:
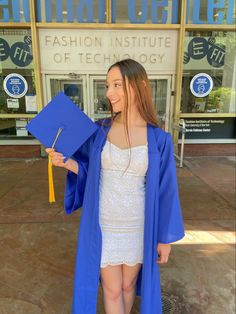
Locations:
50 173
50 181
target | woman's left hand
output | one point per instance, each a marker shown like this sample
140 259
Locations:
163 250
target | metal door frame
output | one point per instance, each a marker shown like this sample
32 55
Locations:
88 93
91 91
65 78
169 98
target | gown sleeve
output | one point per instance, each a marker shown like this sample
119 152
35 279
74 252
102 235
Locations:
75 184
170 222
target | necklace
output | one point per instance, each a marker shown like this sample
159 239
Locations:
123 151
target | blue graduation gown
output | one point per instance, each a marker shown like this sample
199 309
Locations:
163 218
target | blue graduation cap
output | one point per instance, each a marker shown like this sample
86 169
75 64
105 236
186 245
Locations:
62 126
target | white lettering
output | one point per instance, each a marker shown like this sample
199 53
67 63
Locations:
2 49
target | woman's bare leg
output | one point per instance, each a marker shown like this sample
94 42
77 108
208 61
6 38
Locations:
129 275
111 279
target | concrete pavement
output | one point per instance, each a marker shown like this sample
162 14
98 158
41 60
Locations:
38 241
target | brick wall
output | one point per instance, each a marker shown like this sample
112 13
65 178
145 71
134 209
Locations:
209 149
19 151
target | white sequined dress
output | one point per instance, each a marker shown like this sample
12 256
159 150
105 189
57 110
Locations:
122 203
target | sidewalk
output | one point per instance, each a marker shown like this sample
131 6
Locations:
38 241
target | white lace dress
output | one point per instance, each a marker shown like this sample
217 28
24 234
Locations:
122 203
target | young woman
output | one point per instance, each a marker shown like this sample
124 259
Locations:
124 178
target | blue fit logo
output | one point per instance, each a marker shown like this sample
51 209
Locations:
19 53
200 47
83 11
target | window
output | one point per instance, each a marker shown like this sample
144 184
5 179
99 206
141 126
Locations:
17 81
143 12
210 12
212 53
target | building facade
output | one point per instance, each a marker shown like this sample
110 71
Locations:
187 48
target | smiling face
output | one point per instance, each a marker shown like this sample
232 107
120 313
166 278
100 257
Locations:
115 90
129 92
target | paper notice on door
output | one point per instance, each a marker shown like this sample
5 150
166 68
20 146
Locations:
21 132
21 123
30 103
13 103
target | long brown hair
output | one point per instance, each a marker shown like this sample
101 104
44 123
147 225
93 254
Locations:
135 74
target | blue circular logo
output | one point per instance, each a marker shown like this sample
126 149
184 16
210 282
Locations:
216 55
15 85
201 85
4 50
20 54
197 48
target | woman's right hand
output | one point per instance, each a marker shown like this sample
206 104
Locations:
57 158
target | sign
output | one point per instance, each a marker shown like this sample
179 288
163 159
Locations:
21 123
199 105
205 49
152 11
210 128
15 50
21 132
69 49
31 104
20 127
15 85
201 85
13 103
88 11
213 11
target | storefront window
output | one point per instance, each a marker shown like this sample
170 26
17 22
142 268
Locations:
71 11
213 54
143 12
14 128
210 12
14 11
17 81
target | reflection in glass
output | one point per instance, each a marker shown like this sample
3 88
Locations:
210 12
71 11
159 98
101 105
74 90
14 128
146 12
16 57
14 11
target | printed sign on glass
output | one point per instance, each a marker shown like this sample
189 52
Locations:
199 48
201 85
15 85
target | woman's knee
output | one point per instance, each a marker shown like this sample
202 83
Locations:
113 292
111 280
128 285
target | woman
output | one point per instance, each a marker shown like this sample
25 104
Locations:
124 177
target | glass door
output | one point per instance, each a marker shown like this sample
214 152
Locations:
99 104
75 89
161 97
